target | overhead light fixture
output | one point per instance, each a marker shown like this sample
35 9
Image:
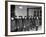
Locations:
21 7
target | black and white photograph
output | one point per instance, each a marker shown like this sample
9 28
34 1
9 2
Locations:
25 18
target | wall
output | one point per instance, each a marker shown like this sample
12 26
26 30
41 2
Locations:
23 11
20 11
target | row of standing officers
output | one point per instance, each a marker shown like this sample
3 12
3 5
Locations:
24 24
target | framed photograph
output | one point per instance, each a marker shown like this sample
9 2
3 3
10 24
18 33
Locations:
24 18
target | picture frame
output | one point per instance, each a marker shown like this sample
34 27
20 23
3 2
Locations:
8 11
